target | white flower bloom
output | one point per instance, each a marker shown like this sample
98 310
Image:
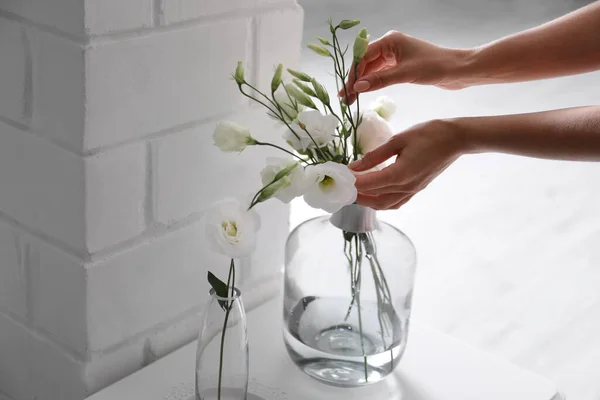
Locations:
384 106
289 112
372 132
295 183
231 137
231 229
331 186
321 128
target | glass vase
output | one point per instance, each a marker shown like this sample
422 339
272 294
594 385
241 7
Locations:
222 357
347 296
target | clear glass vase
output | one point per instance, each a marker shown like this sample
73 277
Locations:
347 296
222 357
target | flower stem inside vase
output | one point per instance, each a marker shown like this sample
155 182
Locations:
228 306
358 243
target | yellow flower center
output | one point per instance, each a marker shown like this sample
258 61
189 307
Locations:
230 228
327 183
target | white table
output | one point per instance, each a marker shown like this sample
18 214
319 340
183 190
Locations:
434 367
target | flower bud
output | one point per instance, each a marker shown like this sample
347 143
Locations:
361 44
300 96
286 171
231 137
305 88
277 77
348 23
324 41
320 50
384 106
321 92
239 74
273 187
300 75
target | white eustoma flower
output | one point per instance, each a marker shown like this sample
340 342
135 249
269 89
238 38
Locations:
372 132
295 182
331 186
231 137
231 228
321 128
288 110
384 106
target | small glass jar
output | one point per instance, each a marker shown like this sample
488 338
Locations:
222 356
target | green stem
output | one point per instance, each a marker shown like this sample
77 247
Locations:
360 327
282 149
358 118
229 306
261 93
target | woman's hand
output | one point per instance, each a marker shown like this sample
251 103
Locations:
422 153
399 58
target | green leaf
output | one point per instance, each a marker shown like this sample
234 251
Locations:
348 23
338 159
220 288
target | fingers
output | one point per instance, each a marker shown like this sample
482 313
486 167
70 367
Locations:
402 202
389 189
379 155
380 79
380 53
375 180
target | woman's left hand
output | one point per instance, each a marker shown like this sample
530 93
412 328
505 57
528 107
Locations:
422 153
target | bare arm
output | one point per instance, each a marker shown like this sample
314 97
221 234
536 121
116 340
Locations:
568 134
566 46
425 150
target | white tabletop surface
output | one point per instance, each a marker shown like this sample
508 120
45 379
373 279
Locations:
434 367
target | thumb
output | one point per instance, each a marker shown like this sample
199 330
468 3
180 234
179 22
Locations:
380 79
377 156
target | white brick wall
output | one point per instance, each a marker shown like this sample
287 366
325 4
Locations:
106 165
181 10
13 278
116 187
13 65
185 77
58 109
278 37
106 16
63 15
43 186
189 156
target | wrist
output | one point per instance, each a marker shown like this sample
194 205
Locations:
463 139
465 70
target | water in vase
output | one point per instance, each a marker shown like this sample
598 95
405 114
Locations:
324 340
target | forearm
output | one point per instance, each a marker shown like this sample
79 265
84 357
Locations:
568 134
566 46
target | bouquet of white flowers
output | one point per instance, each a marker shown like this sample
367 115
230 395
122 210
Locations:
324 135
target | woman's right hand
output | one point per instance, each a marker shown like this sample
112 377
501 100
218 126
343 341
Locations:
399 58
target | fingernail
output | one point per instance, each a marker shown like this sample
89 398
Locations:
354 164
361 86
